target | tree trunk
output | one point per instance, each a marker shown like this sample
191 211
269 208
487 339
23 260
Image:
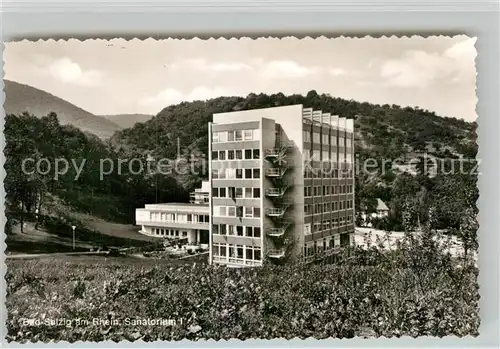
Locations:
22 217
39 210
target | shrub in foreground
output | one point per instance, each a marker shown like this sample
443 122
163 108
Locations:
373 292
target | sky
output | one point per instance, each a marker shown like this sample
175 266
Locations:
123 77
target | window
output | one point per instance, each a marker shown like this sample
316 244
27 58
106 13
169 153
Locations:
230 136
248 154
256 193
215 192
256 212
230 173
256 254
307 228
256 232
248 193
215 229
307 136
332 243
230 154
256 173
222 155
239 193
239 211
307 172
239 230
238 135
341 141
239 251
222 192
230 230
256 153
249 231
316 137
221 173
252 253
231 212
239 155
348 142
333 140
326 225
215 174
249 212
325 155
223 250
215 137
215 155
220 210
248 173
316 155
325 138
239 173
249 253
248 135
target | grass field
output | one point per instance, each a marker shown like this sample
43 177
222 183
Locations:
59 237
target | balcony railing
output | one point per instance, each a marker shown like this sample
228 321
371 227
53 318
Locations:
275 172
278 151
275 191
275 212
276 253
276 232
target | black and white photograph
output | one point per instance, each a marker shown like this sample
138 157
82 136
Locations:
267 188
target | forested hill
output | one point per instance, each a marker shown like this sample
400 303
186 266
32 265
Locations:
20 98
382 130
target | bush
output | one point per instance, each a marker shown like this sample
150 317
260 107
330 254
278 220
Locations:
415 290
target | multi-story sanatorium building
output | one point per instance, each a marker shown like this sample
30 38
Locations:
282 185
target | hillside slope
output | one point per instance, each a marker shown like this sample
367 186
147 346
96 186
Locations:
21 98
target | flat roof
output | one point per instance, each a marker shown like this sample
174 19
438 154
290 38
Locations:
184 204
177 207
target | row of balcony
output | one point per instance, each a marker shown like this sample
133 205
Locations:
278 151
277 157
276 253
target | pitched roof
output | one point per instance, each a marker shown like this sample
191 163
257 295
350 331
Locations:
381 206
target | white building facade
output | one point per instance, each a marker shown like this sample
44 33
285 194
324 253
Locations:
180 221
